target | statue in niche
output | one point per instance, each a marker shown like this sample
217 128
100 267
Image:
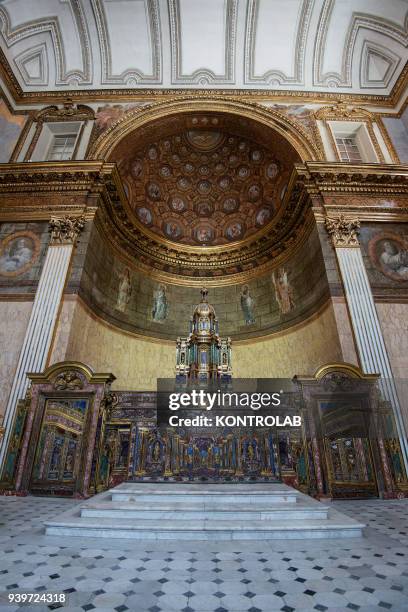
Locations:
247 305
283 290
124 291
156 451
160 304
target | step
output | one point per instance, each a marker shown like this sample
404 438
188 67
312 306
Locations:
174 496
205 530
203 511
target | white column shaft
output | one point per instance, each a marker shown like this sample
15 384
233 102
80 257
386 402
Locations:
40 329
367 330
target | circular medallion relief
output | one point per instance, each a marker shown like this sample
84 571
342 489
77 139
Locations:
254 193
183 183
144 215
172 230
234 230
256 155
18 253
243 172
389 253
177 204
188 168
224 183
272 170
153 191
204 234
230 205
204 186
263 216
165 171
204 209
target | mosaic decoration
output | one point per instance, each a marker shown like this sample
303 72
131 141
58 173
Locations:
129 302
247 305
204 172
283 290
160 304
124 291
18 253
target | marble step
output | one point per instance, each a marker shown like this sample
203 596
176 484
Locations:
203 511
337 527
172 494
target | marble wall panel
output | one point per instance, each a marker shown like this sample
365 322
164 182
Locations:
14 318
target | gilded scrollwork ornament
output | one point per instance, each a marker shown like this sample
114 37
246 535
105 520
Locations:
343 231
65 230
68 381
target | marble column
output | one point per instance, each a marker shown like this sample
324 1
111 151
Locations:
364 318
44 314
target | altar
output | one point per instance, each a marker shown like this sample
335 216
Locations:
73 435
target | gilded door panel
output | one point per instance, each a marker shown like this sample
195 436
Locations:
57 462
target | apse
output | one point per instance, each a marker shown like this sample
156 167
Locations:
204 180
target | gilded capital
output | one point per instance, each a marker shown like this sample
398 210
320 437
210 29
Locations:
343 232
65 230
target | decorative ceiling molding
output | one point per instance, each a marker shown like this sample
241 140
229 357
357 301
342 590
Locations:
37 56
371 51
276 76
302 51
51 25
376 24
203 76
132 75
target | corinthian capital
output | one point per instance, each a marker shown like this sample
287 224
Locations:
343 232
65 230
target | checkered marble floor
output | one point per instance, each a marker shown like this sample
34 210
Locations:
353 574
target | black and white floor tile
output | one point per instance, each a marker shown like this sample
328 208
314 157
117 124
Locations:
356 574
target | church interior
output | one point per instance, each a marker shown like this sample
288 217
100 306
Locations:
203 192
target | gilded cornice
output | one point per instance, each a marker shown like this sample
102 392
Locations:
39 191
339 177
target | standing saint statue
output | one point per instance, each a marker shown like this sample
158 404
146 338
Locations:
160 305
124 291
247 305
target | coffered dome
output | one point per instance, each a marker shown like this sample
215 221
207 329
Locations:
206 180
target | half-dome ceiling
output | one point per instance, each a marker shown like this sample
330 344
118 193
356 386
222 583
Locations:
207 180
